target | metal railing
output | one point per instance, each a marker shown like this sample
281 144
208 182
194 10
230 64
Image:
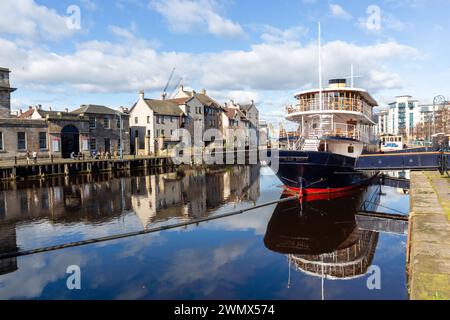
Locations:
338 104
340 130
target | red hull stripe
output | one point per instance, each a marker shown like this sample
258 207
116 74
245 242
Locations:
326 190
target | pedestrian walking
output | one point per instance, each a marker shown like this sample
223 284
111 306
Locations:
34 157
28 156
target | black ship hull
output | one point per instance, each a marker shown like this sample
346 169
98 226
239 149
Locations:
310 172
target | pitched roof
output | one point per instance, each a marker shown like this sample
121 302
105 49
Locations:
180 101
230 112
207 100
164 107
27 114
96 109
246 107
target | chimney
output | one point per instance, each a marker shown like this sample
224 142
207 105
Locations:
30 108
39 106
141 95
20 111
50 108
66 110
203 91
253 102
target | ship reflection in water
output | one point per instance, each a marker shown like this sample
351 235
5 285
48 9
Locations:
321 237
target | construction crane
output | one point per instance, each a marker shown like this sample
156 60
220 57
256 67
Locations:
176 87
164 94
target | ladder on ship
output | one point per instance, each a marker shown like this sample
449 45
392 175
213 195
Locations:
311 145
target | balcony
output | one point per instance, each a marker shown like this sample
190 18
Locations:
340 104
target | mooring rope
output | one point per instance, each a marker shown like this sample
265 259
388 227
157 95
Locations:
141 232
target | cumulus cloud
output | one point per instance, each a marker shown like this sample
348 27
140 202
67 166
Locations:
339 12
274 35
97 66
186 16
26 19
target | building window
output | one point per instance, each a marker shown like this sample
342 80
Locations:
162 132
92 122
157 133
172 119
351 149
148 133
1 141
21 141
93 144
148 119
106 123
118 122
42 140
136 121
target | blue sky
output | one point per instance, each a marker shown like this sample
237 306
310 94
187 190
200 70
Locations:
241 50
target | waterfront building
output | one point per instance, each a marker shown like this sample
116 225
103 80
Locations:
17 136
401 117
85 130
108 129
152 124
382 122
5 93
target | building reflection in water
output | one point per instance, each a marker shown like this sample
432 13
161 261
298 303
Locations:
321 237
153 197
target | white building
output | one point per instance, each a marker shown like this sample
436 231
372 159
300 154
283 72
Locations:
152 124
401 117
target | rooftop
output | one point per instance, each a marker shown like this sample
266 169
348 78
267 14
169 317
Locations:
94 109
164 107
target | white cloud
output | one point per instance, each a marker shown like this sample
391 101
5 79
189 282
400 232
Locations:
274 35
339 12
97 66
26 19
186 16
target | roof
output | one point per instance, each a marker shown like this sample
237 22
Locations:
246 107
180 100
207 100
164 107
4 69
95 109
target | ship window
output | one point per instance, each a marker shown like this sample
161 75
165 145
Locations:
351 149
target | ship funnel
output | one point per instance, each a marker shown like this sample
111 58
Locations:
337 83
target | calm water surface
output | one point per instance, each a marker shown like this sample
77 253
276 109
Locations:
313 250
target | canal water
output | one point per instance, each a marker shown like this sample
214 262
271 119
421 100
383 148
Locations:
314 249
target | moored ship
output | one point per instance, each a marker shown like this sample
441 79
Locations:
335 128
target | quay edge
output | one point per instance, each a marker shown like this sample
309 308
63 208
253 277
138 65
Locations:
428 248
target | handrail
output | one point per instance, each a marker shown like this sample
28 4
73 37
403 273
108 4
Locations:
335 104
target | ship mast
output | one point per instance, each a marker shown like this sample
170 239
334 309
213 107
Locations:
320 70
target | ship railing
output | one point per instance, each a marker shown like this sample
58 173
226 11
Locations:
339 130
339 104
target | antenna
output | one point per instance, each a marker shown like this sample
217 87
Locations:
351 75
320 69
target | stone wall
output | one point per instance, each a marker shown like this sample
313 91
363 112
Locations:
9 129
